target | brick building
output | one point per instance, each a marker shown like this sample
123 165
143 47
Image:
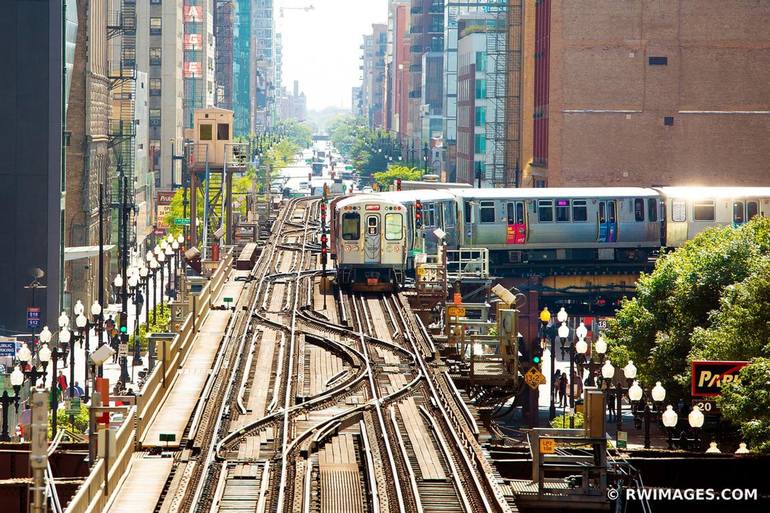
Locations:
641 93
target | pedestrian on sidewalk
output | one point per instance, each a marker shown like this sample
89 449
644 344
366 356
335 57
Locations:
76 390
562 388
555 383
61 380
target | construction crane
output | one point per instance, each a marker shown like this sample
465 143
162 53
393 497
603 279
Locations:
306 9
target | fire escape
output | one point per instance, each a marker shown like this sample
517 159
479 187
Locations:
121 35
503 92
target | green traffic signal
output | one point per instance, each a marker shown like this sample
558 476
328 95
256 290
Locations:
536 360
123 329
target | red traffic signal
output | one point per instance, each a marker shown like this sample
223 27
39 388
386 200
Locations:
324 239
398 184
418 213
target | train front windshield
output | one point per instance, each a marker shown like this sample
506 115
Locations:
351 226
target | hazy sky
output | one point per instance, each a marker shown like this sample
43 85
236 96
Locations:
321 47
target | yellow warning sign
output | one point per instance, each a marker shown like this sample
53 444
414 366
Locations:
547 446
534 378
455 311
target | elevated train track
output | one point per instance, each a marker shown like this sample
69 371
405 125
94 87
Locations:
311 412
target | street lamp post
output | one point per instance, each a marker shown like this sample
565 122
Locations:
154 269
425 157
658 395
694 419
17 379
96 315
81 322
65 337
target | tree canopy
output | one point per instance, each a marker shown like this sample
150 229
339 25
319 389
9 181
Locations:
299 133
706 300
387 178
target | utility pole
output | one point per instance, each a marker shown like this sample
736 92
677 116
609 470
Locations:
123 358
100 321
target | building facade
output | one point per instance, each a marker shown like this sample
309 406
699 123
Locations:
640 93
166 89
199 57
224 20
31 174
398 59
373 81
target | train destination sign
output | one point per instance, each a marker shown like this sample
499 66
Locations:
709 376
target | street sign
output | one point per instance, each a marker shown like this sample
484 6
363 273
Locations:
167 437
33 317
123 349
547 446
73 408
707 406
227 299
534 378
8 348
179 221
455 311
709 376
622 440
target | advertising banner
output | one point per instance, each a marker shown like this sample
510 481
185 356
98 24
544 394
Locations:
193 70
193 13
193 41
709 376
163 206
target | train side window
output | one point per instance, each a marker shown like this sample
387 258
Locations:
562 211
351 226
652 210
602 212
520 212
752 210
611 211
394 227
487 212
509 213
430 218
545 211
738 212
639 209
704 211
678 211
467 212
579 211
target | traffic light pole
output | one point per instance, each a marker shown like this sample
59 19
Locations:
323 246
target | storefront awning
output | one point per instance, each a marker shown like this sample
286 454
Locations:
78 252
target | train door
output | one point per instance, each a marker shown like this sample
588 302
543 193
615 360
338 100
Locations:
372 239
450 225
517 226
608 221
744 211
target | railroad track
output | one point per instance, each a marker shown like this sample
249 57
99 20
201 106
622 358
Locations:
305 414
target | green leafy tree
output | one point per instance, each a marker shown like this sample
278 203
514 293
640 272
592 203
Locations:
562 421
387 178
746 403
63 421
299 134
344 131
162 324
670 321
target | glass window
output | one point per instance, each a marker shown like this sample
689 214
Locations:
545 211
206 132
704 211
487 212
351 226
155 87
639 209
155 56
156 26
509 213
738 211
481 116
480 143
652 210
481 88
752 209
520 212
579 211
223 132
481 61
562 211
611 211
602 212
467 212
394 227
678 211
372 225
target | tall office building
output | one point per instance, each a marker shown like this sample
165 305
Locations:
166 89
453 10
31 174
199 57
373 83
223 64
643 93
397 63
264 39
426 68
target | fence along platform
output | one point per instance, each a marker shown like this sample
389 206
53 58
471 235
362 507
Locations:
141 489
174 414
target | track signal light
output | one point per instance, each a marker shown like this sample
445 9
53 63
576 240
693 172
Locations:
418 213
